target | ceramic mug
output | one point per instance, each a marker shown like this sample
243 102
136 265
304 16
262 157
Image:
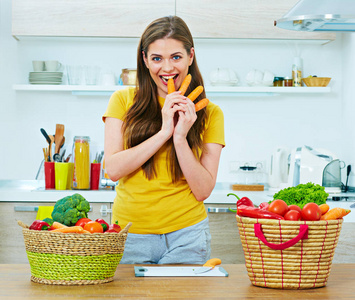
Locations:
38 65
52 65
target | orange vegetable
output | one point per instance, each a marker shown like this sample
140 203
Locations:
57 225
93 227
335 213
324 208
201 104
73 229
195 93
185 84
171 86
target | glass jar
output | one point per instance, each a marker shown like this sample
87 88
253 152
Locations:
81 151
278 81
128 76
288 81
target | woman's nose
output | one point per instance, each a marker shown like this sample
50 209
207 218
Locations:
167 66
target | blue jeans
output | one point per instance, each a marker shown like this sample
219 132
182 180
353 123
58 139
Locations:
190 245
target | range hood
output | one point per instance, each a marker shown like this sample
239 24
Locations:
320 15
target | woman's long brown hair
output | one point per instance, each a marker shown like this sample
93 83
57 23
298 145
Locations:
144 118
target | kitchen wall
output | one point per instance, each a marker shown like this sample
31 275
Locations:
254 125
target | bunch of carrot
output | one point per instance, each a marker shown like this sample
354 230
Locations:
334 213
193 95
58 227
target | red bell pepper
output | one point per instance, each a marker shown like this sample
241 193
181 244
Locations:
103 223
242 201
39 225
253 212
114 228
264 205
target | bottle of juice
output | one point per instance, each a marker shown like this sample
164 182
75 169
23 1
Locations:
81 150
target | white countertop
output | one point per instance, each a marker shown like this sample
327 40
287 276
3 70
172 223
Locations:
33 191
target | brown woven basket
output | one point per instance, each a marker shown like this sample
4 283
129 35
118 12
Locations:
316 81
306 258
72 258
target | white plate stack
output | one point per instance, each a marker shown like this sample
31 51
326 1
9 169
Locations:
45 77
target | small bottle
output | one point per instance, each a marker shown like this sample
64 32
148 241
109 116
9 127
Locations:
297 72
287 81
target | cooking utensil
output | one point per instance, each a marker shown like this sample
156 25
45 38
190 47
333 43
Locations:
68 157
62 156
46 135
50 147
209 265
58 140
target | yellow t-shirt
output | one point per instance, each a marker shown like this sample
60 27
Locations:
159 206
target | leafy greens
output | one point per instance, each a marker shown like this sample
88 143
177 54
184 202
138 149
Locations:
302 194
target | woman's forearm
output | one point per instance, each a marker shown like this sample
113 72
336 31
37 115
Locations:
200 175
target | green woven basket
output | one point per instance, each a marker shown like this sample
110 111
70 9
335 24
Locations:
72 258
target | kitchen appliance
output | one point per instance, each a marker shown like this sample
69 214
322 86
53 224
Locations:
278 173
320 15
318 166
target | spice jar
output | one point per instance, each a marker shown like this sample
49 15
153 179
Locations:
278 81
81 150
287 81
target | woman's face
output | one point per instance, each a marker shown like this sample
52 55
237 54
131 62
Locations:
167 58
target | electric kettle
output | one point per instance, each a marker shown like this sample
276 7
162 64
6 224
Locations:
278 173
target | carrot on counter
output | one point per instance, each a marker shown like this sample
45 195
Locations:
185 84
335 213
171 86
73 229
201 104
195 93
324 208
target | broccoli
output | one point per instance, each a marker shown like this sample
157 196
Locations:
49 221
70 209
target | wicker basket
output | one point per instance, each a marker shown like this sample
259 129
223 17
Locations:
72 258
288 254
316 81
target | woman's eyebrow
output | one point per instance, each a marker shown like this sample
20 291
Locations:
173 54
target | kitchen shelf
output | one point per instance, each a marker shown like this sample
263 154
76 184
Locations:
216 90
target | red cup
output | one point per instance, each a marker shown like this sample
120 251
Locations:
95 170
49 175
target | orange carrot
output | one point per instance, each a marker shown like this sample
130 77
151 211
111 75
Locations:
335 213
73 229
57 225
171 86
185 84
195 93
201 104
324 208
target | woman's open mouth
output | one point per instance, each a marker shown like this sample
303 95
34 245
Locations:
165 78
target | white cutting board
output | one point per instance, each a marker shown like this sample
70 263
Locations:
143 271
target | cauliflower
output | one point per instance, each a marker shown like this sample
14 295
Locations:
70 209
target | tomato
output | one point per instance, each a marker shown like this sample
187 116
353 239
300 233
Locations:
279 207
311 212
293 215
114 228
295 207
93 227
82 222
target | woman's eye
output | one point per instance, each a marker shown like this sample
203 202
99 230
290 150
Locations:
156 58
176 57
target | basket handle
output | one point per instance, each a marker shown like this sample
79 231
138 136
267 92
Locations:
303 234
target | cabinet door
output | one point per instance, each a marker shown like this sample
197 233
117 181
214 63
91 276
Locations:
240 19
86 18
225 240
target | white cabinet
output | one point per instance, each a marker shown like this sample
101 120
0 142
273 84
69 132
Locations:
86 18
252 19
127 18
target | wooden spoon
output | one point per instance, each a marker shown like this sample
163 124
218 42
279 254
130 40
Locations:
58 139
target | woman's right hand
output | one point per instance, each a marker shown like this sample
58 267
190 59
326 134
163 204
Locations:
170 107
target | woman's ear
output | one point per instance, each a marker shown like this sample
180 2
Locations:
192 55
145 59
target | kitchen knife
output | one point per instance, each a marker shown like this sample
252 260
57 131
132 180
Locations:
209 265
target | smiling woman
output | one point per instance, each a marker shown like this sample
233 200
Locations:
164 153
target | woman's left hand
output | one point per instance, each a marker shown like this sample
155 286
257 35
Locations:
186 118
